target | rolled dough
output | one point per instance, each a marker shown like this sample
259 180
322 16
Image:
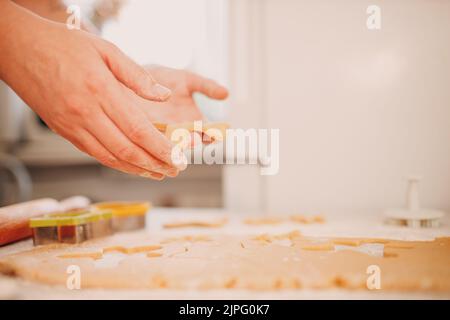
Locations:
238 262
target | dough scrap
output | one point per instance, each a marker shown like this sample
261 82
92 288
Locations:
274 220
187 238
390 254
266 238
347 242
307 219
257 221
380 241
154 254
81 255
398 245
131 250
319 247
143 249
196 224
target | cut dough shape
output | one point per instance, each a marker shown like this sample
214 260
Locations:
347 242
154 254
115 249
307 219
214 131
318 247
380 241
196 224
398 245
295 234
258 221
143 249
82 255
266 238
390 254
187 238
263 221
132 250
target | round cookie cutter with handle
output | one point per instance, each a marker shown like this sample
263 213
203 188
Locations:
413 215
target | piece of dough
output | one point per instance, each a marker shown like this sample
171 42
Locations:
257 221
81 255
187 238
398 245
347 242
319 247
266 238
132 250
307 219
196 224
154 254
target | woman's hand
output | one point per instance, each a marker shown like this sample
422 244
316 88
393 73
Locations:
181 106
87 91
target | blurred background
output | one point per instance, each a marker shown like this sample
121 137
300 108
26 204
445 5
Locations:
358 109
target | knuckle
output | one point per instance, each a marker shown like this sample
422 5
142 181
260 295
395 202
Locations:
157 177
128 155
137 132
107 160
164 153
143 80
187 78
94 82
112 47
107 47
74 107
61 126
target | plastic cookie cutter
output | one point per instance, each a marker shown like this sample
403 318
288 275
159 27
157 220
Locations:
71 227
413 215
126 216
209 132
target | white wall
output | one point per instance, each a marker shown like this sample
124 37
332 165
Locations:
358 110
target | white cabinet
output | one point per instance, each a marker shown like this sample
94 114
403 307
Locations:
357 109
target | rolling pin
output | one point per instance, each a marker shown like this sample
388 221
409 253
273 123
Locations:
14 219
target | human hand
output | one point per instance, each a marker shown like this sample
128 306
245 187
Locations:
181 107
88 91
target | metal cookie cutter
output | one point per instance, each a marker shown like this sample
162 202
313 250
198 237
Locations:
71 227
127 216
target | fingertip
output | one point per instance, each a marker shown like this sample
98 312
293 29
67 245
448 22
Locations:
221 93
217 91
154 176
172 173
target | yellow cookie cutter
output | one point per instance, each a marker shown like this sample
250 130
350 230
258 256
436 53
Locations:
124 208
127 216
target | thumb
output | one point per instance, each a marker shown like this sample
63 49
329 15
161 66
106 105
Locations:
134 76
208 87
